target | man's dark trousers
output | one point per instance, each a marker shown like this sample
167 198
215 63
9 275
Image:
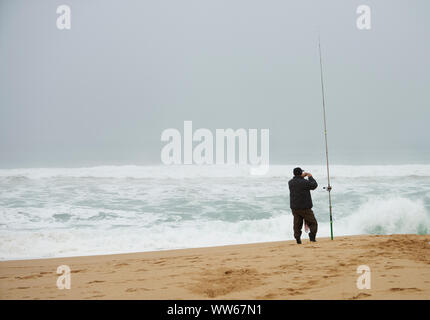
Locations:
308 216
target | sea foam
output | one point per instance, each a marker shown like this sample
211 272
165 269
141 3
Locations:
59 212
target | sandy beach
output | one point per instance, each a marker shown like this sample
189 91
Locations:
399 264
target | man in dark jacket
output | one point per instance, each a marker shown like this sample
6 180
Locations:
301 203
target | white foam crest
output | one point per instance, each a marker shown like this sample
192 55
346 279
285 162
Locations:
214 171
377 216
381 215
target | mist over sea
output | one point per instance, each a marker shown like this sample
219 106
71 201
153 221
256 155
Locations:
55 212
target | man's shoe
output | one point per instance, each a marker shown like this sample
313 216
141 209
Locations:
299 241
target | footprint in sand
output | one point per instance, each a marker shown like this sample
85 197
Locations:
121 264
95 281
268 296
405 289
79 270
312 282
222 281
137 289
393 267
361 295
96 296
29 277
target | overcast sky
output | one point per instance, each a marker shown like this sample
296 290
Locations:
102 92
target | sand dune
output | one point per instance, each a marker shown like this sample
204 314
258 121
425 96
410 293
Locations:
399 264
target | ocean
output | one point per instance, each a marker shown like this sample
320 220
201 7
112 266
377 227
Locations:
58 212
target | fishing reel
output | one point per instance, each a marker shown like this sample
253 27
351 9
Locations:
327 188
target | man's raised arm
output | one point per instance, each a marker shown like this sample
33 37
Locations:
312 183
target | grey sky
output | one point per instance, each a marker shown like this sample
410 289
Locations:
102 92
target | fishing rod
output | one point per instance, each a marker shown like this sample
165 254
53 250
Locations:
328 188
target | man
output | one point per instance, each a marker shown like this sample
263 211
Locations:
301 203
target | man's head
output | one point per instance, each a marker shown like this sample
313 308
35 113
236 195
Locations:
297 171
